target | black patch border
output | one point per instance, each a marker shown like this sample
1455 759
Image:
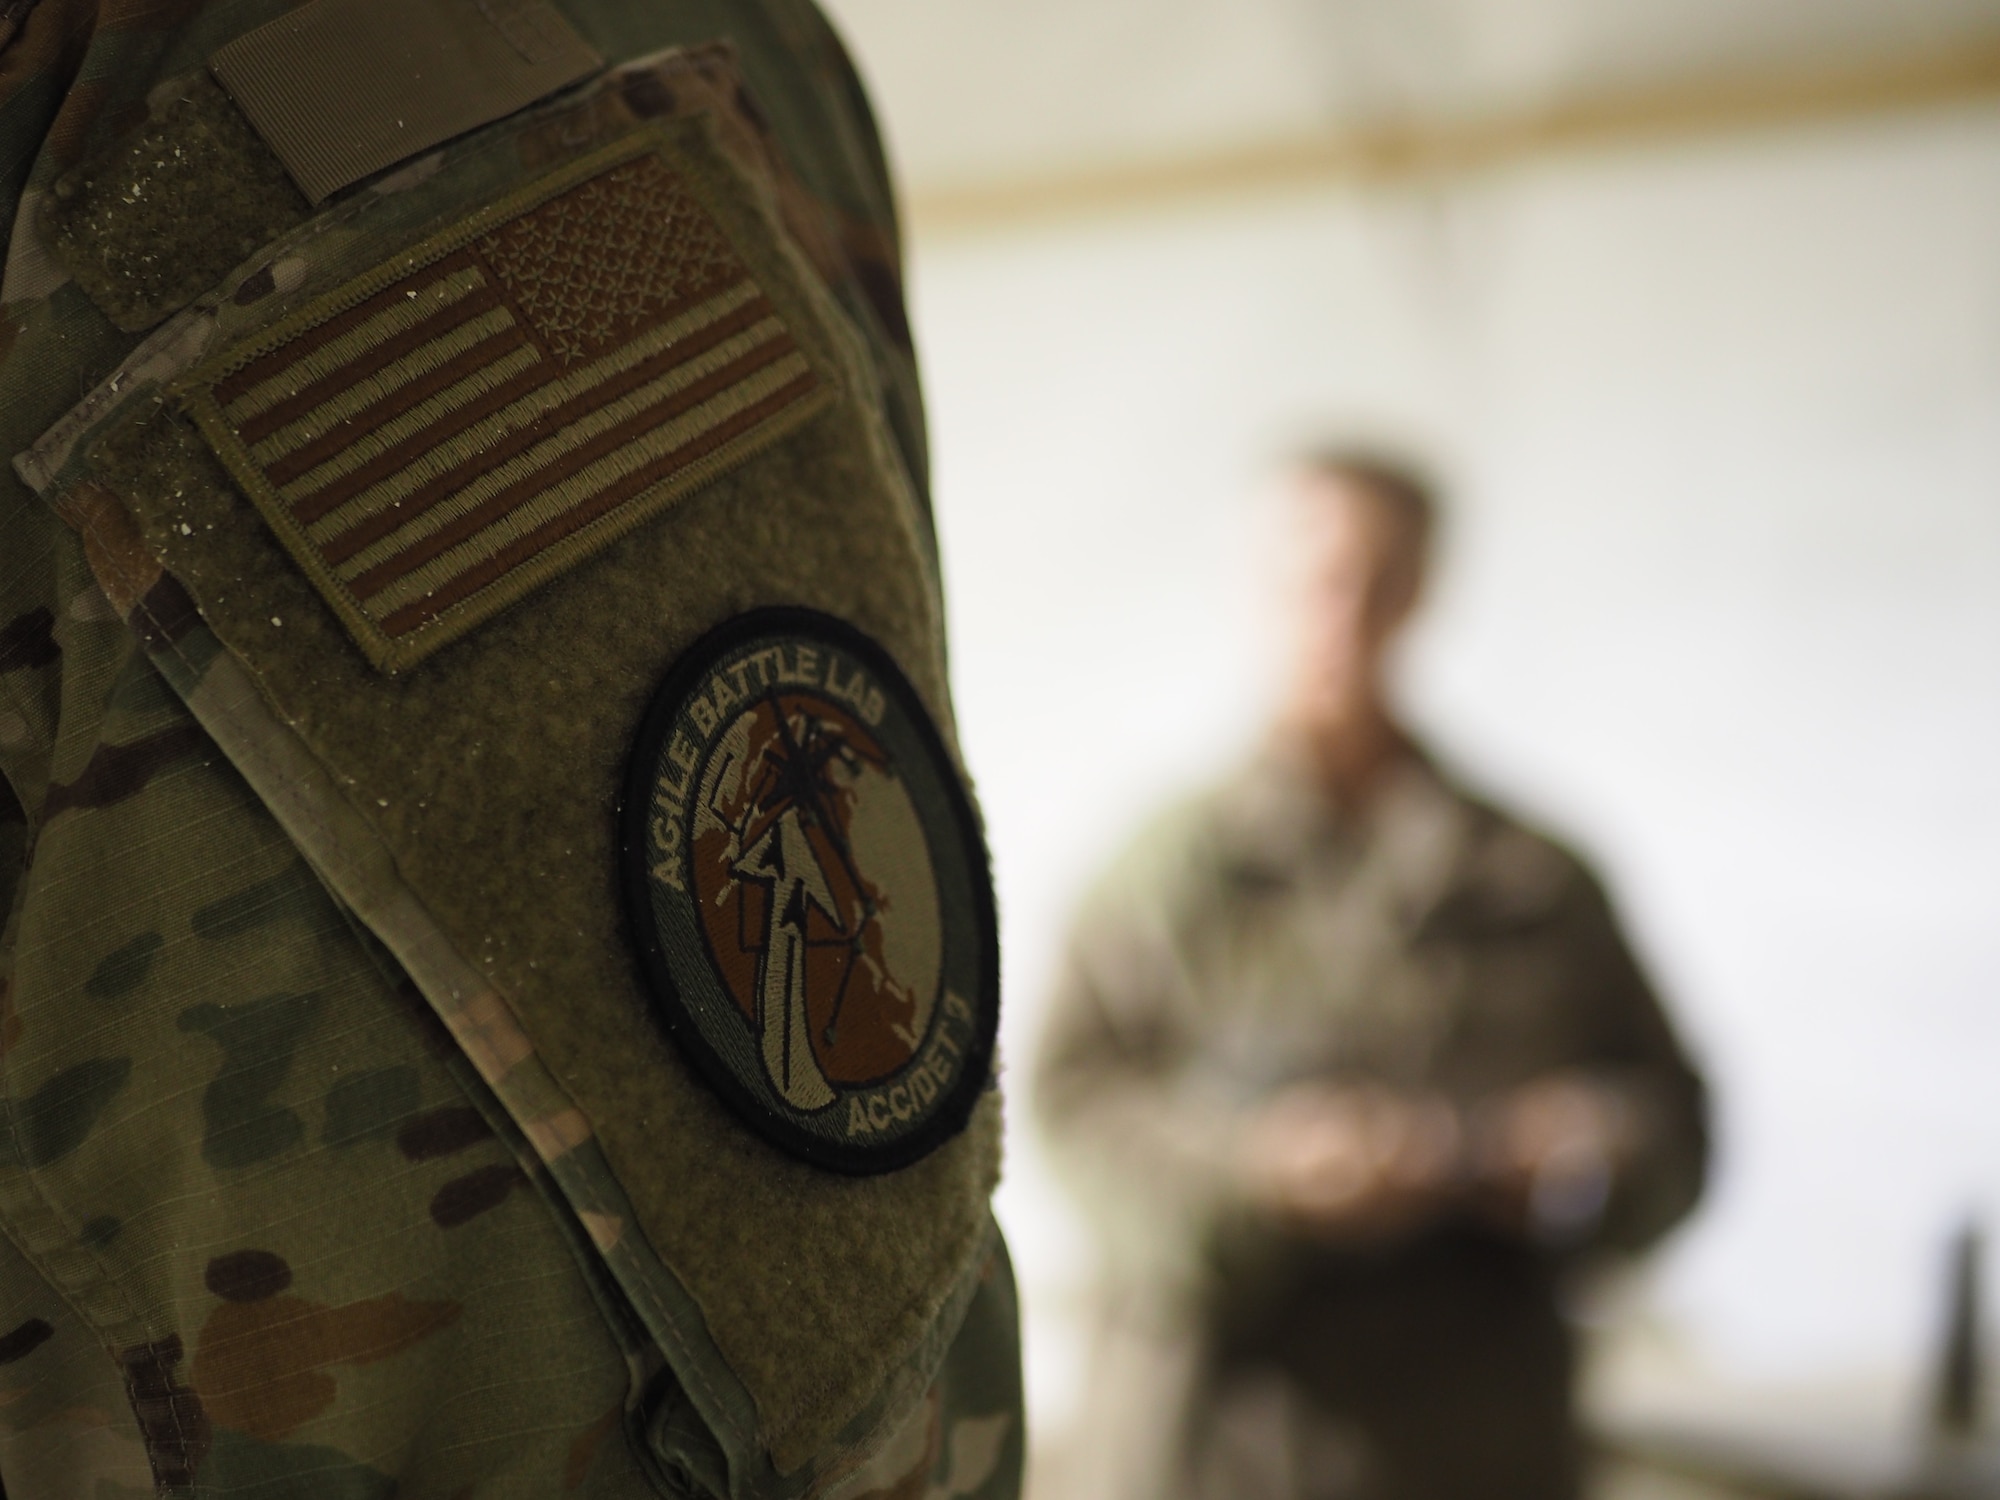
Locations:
954 1111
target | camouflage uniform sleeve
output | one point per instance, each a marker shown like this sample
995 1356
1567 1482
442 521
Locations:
252 1202
1634 1048
965 1439
269 1229
974 1437
806 85
1145 1139
849 158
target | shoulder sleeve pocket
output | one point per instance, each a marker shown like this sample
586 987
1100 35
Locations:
418 507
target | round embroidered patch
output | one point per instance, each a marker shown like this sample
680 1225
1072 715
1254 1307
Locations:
808 889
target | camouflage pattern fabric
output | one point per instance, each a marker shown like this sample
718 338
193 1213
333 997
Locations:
269 1230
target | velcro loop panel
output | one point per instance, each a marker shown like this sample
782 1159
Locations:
342 89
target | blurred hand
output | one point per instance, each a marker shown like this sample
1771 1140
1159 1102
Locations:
1362 1162
1547 1154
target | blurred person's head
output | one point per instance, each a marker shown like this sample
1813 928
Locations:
1355 549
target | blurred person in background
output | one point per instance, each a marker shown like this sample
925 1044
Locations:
1351 1068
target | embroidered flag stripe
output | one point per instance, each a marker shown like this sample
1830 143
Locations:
446 431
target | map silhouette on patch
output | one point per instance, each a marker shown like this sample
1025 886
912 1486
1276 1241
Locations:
808 889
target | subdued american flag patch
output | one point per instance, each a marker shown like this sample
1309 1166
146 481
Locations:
447 432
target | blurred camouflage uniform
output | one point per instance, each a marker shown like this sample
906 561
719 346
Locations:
285 1216
1255 938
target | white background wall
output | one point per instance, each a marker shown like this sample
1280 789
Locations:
1721 603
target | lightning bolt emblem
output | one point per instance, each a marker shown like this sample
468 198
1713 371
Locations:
782 859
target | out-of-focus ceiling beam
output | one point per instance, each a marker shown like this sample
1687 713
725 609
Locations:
1438 148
